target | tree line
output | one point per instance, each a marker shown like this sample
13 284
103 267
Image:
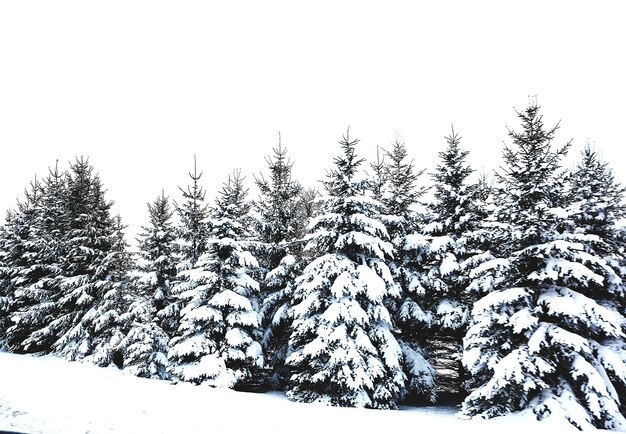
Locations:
508 292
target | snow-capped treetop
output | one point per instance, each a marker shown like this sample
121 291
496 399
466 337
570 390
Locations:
193 214
281 216
597 198
531 183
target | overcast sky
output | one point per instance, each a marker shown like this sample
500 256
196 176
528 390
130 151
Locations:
140 87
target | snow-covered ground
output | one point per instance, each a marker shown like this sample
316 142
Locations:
44 394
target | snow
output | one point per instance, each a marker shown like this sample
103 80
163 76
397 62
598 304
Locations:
53 396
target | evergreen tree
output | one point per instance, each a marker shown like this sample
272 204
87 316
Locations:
193 214
191 244
596 208
146 344
87 301
597 202
16 235
453 223
38 290
217 341
543 337
280 227
380 177
109 324
344 352
400 195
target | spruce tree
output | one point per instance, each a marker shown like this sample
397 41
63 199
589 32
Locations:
146 343
542 339
157 252
453 223
87 300
191 244
193 214
280 227
16 233
217 341
38 291
596 207
343 351
380 176
400 195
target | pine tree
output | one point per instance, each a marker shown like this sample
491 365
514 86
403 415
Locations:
542 338
217 341
280 227
400 195
146 343
344 352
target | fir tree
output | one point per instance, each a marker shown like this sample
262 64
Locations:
280 227
344 352
217 341
543 337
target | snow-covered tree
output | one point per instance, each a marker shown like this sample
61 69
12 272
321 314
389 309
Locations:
87 303
37 290
280 227
400 195
217 341
280 220
6 295
193 214
343 351
146 343
453 220
597 201
18 245
595 211
191 243
543 339
157 255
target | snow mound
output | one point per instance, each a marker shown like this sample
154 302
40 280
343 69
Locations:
49 395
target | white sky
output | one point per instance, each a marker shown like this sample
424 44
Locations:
139 87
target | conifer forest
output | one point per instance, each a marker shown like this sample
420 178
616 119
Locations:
386 285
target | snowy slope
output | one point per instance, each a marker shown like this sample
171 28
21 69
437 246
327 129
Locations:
50 395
